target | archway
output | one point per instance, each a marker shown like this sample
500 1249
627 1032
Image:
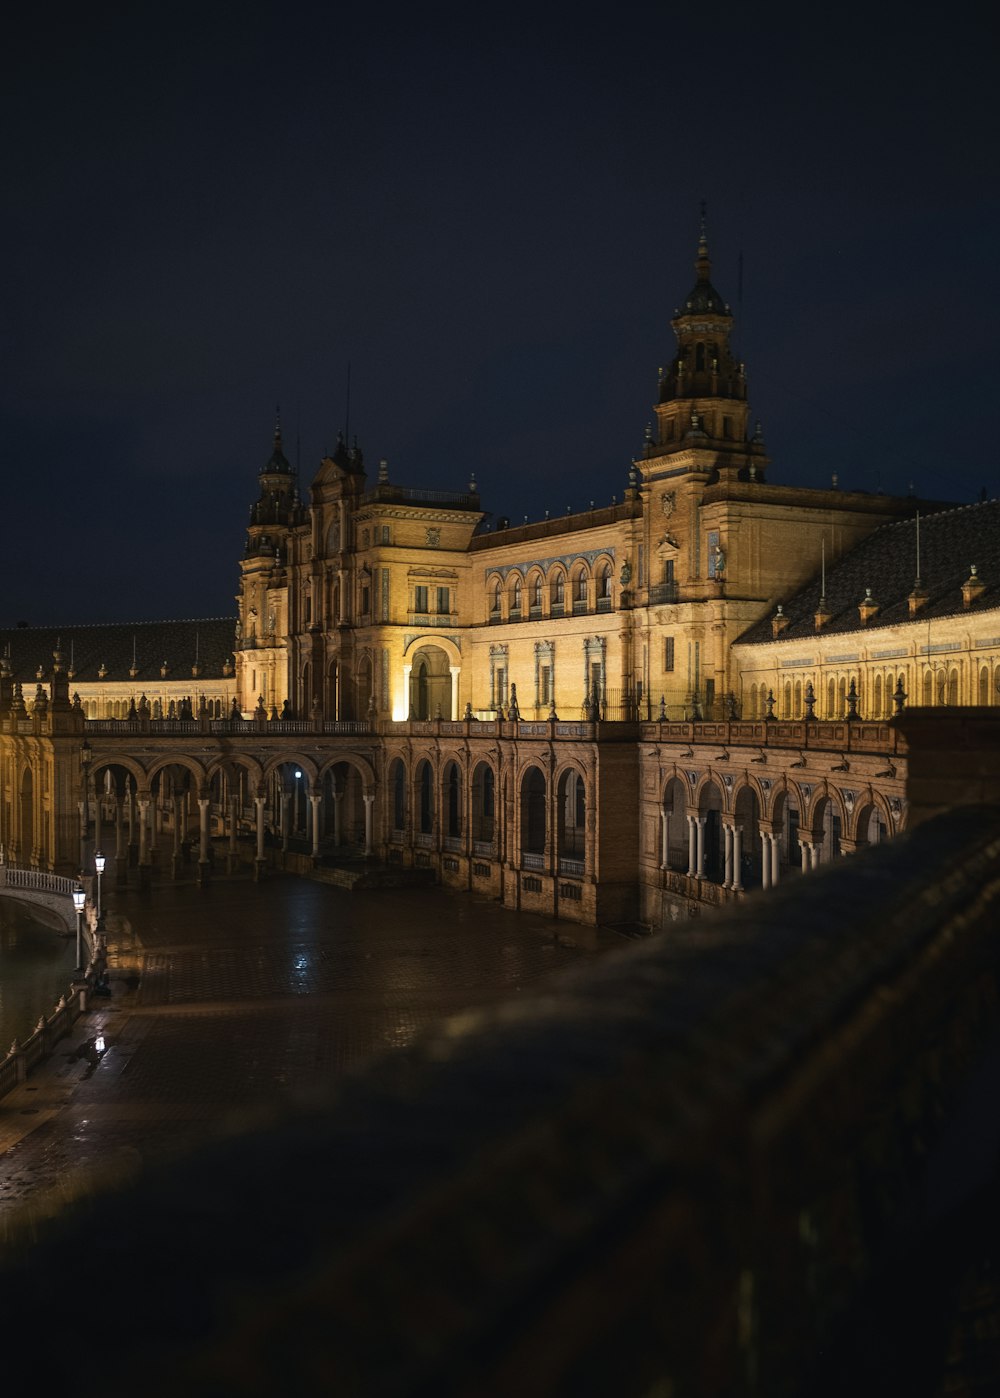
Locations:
343 807
430 684
674 851
710 805
787 823
826 828
747 813
870 826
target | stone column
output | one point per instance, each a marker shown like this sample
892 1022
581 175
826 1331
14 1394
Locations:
176 858
407 669
455 671
203 866
131 824
369 800
727 836
664 839
775 860
315 798
815 859
144 868
156 823
692 845
765 862
121 849
737 884
143 804
258 869
234 817
701 847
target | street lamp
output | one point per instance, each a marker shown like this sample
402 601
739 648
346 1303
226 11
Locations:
79 900
99 863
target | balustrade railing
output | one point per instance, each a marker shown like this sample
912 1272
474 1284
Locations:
35 880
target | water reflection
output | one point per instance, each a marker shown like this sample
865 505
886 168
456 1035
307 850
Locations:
36 967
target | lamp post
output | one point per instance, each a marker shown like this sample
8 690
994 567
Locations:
298 792
79 900
99 862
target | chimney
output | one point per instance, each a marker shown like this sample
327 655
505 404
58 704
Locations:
779 622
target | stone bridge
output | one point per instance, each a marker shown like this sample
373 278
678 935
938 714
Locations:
50 896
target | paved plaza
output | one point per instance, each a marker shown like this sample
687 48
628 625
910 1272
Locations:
230 999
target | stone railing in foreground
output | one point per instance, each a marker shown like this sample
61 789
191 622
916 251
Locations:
675 1172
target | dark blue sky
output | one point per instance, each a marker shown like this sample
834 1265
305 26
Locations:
206 212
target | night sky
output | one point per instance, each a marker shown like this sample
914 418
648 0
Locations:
491 215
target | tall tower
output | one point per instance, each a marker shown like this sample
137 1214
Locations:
261 653
702 414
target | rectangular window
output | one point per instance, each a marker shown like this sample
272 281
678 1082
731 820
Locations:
366 604
668 570
420 599
545 685
713 544
308 606
668 653
444 601
501 683
385 533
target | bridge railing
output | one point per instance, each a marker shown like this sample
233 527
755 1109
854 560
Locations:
672 1172
35 880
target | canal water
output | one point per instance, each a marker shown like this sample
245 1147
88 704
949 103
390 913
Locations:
36 967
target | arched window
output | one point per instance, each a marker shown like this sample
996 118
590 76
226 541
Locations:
604 582
953 688
928 689
453 795
798 698
877 699
559 591
984 685
536 593
533 804
397 785
753 701
425 793
831 699
841 698
515 596
496 592
786 711
572 812
482 803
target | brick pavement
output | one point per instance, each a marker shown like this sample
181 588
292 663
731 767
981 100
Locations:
228 1000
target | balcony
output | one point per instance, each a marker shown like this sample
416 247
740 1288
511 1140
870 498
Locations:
661 593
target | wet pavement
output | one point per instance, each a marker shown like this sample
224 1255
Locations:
228 1000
